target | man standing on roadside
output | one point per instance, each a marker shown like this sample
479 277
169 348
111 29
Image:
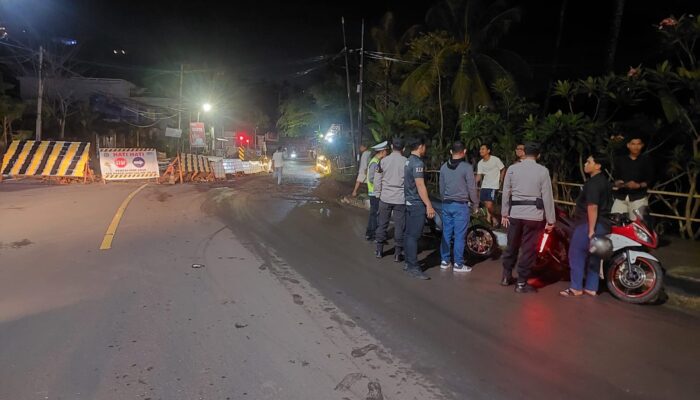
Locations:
490 171
362 170
278 164
592 206
392 201
458 191
418 205
527 203
381 150
633 175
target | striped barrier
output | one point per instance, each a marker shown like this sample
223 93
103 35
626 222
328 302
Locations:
195 163
188 168
241 153
47 159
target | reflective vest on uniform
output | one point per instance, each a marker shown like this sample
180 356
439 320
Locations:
370 183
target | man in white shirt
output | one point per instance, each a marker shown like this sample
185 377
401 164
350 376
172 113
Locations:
362 172
278 164
490 172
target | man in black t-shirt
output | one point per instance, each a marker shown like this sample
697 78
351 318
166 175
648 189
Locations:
592 206
633 175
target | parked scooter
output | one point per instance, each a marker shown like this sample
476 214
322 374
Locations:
630 272
481 242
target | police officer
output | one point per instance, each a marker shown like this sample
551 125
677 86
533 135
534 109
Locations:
380 152
418 205
389 188
527 203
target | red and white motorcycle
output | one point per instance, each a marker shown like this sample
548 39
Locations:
631 273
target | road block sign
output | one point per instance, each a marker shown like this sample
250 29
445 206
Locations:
241 153
129 164
47 159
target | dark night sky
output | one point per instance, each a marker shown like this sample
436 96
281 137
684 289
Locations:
267 39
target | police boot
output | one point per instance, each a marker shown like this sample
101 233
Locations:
397 254
379 252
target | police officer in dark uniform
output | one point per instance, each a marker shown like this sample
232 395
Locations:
527 203
418 205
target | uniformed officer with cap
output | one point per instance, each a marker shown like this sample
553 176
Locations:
381 151
389 189
527 203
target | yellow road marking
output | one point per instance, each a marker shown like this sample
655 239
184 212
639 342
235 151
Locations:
112 230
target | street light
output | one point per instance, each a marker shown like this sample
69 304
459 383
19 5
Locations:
206 107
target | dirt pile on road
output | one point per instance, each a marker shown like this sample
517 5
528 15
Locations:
330 189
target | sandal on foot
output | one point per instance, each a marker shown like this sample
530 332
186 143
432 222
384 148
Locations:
590 293
570 293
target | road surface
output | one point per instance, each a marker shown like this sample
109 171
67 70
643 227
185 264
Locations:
291 304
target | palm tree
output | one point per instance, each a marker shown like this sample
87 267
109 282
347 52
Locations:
614 35
432 52
388 46
477 27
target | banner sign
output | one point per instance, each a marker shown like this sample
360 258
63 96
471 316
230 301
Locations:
198 137
172 132
125 164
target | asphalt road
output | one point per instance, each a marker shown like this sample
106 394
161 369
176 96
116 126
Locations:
291 304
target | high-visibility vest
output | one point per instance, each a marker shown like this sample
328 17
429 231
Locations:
370 184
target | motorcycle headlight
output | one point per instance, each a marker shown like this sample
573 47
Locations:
641 234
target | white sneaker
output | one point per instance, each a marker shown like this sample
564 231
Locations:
462 268
445 265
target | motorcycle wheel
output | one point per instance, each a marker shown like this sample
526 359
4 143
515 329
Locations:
481 242
640 284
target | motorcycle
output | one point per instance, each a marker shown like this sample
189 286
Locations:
481 242
631 273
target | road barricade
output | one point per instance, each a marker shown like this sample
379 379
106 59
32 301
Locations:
48 160
217 167
189 168
128 164
234 166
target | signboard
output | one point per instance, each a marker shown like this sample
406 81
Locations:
198 137
271 136
172 132
127 164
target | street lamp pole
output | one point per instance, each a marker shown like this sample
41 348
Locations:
40 95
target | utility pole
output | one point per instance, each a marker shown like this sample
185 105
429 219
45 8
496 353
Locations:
179 107
347 80
361 86
40 95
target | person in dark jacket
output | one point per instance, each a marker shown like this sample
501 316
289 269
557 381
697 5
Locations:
633 174
459 196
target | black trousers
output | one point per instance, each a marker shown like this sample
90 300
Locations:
523 238
395 212
372 222
415 221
